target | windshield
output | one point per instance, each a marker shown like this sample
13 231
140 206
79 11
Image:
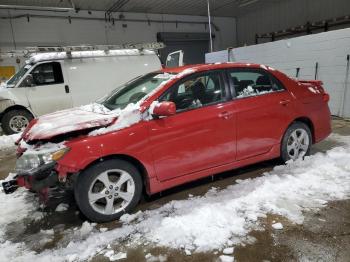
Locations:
134 91
16 77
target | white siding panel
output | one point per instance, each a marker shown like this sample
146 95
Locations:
328 49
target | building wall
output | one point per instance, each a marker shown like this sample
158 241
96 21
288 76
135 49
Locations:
280 15
54 31
329 50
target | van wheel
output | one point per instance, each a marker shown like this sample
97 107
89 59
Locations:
107 190
296 142
15 121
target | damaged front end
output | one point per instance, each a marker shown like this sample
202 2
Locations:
36 169
43 145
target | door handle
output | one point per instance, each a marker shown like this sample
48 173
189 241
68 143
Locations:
225 115
66 87
284 102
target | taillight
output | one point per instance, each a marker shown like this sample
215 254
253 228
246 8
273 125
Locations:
325 97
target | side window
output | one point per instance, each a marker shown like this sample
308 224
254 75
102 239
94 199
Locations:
47 74
197 91
253 82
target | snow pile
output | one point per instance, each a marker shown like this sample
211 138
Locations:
225 258
151 258
218 220
7 142
62 207
277 226
16 207
228 251
86 228
114 257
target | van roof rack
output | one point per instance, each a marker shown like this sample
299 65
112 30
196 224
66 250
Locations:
46 49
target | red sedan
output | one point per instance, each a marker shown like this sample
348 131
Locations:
170 127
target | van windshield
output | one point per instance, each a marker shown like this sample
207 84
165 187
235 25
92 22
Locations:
135 90
18 76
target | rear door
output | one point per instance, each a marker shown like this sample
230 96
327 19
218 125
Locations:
202 132
49 92
263 109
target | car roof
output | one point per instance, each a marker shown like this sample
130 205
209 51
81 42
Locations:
205 67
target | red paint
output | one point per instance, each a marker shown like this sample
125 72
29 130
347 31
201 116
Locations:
190 145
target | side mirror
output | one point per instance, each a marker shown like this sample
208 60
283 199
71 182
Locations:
28 81
164 109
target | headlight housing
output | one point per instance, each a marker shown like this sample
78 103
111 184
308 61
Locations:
34 159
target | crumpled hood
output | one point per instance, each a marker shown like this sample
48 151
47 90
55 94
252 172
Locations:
66 121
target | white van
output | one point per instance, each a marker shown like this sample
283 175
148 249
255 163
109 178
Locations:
54 81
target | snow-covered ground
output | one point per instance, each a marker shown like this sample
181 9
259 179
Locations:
216 222
7 142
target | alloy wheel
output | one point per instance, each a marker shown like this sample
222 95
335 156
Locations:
298 144
111 191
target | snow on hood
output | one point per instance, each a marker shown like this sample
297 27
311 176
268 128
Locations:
69 120
128 116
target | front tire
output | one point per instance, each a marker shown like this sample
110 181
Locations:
296 142
107 190
15 121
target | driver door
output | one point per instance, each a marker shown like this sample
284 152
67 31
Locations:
49 92
201 134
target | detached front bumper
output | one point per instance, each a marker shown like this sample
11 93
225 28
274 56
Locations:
37 179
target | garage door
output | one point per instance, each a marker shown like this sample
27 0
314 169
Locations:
194 45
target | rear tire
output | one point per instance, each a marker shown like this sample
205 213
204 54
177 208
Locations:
107 190
296 142
15 121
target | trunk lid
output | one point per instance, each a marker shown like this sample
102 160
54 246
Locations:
313 88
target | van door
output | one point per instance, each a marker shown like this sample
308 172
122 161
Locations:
49 91
175 59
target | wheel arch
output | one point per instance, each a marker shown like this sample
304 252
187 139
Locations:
307 121
16 107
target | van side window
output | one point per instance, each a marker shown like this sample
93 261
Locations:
253 83
47 74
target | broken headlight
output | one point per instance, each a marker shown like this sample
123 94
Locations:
35 159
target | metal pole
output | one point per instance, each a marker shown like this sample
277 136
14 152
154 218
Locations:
209 18
345 86
12 31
